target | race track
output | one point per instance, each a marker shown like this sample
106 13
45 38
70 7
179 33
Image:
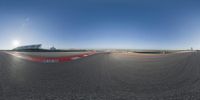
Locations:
104 76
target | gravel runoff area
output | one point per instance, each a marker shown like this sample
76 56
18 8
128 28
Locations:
109 76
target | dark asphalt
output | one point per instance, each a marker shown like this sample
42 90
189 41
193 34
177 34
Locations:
102 77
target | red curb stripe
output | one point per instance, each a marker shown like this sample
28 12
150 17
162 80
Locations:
50 59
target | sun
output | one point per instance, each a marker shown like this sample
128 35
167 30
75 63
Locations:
16 43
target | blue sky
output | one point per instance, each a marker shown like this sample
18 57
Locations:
128 24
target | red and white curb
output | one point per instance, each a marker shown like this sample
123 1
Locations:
50 59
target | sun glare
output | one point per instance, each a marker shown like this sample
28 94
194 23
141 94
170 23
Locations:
16 43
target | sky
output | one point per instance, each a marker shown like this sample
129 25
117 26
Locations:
100 24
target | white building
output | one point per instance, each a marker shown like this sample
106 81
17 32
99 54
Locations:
28 47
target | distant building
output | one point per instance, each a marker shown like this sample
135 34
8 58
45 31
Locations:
191 49
53 48
29 47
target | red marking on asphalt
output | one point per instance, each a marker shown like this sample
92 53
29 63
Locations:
50 59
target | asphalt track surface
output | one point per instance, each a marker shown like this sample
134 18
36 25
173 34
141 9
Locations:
103 76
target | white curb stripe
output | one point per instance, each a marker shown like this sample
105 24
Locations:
74 58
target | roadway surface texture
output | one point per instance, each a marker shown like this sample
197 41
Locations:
105 76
